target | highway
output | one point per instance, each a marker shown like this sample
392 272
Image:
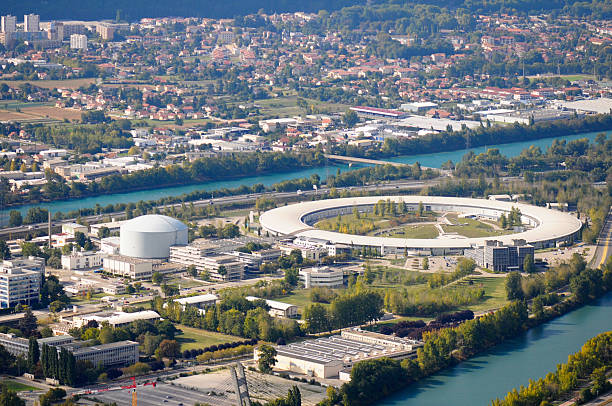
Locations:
238 199
603 250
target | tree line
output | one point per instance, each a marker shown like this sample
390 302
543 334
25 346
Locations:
590 363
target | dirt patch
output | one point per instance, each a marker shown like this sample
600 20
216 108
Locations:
57 113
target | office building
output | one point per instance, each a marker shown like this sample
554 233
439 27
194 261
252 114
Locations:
78 41
114 319
73 228
221 267
19 346
31 23
321 276
8 23
119 353
20 281
496 256
82 260
128 267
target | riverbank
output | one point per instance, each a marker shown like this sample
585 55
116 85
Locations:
496 370
216 188
590 363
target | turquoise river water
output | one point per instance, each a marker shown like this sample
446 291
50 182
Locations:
434 160
492 374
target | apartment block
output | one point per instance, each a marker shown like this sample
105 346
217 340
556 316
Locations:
31 23
8 23
78 41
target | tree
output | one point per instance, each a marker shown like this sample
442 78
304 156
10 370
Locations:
103 232
134 150
350 118
191 270
106 335
52 396
15 219
528 264
80 238
514 290
28 325
5 252
168 349
316 318
10 398
169 290
425 263
292 277
222 270
420 209
33 354
267 358
157 278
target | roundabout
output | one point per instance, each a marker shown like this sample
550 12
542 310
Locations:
541 228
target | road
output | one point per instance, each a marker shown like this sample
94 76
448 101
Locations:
603 249
238 199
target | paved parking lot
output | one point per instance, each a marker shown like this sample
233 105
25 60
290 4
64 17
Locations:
166 394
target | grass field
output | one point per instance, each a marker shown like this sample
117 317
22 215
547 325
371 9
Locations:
495 292
184 283
195 338
424 231
17 386
471 228
299 297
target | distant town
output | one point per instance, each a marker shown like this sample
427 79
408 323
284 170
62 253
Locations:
302 208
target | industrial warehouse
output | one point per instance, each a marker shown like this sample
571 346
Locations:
548 228
333 357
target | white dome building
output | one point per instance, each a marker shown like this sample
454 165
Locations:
151 236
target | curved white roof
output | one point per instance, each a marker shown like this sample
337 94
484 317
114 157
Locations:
153 223
551 224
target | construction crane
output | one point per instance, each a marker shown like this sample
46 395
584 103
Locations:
132 386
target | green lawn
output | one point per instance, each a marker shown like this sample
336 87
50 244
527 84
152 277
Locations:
196 338
495 292
18 386
184 283
471 228
299 297
421 231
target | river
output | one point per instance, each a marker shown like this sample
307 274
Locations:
494 373
434 160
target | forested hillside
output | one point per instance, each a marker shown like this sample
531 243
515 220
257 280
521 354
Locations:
96 9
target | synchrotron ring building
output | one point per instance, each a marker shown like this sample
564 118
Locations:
546 227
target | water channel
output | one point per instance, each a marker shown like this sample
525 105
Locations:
434 160
492 374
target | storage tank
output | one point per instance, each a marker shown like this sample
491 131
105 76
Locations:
151 236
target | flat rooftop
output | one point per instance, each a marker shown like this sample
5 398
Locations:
289 220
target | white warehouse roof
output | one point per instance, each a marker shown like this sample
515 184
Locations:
550 225
209 297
